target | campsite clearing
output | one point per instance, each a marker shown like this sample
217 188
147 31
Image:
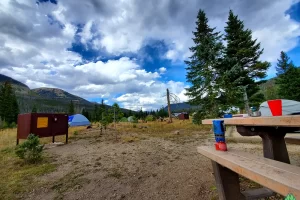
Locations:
152 161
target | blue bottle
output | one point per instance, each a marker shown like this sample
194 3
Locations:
219 132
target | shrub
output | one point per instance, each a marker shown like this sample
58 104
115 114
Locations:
197 117
31 150
76 132
134 125
123 119
13 125
3 124
150 118
135 120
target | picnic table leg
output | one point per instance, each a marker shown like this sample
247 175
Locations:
274 147
227 183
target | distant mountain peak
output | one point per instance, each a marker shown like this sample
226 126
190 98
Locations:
4 78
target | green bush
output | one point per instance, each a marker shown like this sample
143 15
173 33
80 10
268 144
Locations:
123 119
135 120
31 150
76 132
150 118
198 117
3 125
13 125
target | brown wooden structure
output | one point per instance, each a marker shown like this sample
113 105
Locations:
272 130
183 116
42 125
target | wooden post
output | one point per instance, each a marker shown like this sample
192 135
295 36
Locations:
67 136
169 107
227 181
53 138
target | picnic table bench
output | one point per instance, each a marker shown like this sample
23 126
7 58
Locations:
273 171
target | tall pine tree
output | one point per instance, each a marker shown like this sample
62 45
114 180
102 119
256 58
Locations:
117 111
9 108
284 63
71 108
241 63
203 66
34 109
288 80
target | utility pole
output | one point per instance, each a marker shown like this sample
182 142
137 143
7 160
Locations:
115 117
101 128
169 107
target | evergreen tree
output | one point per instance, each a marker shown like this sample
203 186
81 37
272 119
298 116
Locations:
34 109
129 113
283 64
96 116
86 114
203 66
241 65
288 80
71 108
9 108
101 109
162 112
117 111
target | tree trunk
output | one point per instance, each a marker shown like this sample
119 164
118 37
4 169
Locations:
246 101
169 107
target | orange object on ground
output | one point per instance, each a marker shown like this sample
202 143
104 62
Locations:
275 107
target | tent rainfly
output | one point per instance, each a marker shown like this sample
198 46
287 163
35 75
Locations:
78 120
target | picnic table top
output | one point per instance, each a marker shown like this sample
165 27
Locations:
283 121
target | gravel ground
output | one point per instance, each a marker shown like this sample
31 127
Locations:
101 167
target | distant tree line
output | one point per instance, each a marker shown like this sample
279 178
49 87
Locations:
9 108
103 113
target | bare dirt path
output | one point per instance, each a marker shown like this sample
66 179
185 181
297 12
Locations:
98 167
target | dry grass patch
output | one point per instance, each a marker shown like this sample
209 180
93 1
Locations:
158 128
8 137
18 177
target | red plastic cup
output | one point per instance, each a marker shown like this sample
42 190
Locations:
275 107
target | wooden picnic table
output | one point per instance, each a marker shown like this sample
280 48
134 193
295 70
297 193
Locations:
272 130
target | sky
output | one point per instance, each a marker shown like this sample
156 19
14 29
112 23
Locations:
128 51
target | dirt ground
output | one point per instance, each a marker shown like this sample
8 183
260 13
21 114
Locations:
134 166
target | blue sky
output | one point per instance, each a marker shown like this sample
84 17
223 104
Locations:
127 52
294 53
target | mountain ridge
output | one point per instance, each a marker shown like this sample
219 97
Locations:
47 99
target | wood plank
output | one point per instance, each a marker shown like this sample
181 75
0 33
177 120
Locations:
277 176
282 121
292 140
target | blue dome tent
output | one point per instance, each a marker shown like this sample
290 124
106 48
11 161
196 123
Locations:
78 120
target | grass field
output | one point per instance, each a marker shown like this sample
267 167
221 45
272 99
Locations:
16 176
